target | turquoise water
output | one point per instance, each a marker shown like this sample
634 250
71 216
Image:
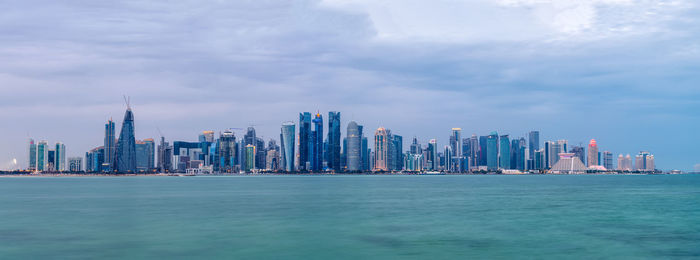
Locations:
350 217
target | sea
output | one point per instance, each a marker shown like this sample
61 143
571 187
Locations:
351 217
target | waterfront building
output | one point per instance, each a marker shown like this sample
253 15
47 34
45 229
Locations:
492 151
396 149
165 156
644 161
187 155
367 157
447 158
260 153
51 161
474 145
504 152
539 160
413 162
334 141
60 157
75 164
415 147
354 147
432 159
126 145
483 151
272 160
250 158
305 141
593 153
580 152
456 146
608 160
382 156
624 163
552 151
42 156
110 146
533 142
568 163
145 151
32 160
226 153
94 160
287 146
317 144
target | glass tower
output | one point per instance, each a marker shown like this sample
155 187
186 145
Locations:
305 141
334 140
126 146
317 144
492 151
287 146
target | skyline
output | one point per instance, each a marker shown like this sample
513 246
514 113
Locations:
574 70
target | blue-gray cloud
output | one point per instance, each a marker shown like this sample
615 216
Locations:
623 72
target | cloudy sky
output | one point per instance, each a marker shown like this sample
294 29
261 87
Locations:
625 72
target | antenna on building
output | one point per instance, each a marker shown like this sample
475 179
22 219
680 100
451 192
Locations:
127 100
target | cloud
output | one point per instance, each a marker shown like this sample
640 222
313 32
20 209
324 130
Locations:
417 67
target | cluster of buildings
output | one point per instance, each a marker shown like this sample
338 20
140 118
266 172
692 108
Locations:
303 147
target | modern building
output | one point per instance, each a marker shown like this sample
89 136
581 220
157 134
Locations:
42 156
382 143
608 160
75 164
317 144
533 142
593 153
644 161
568 164
287 146
354 147
60 157
145 153
580 152
504 152
474 153
432 158
94 160
456 146
126 145
367 155
334 141
250 158
110 145
624 163
396 149
305 141
552 151
165 156
447 161
492 151
206 136
32 160
483 153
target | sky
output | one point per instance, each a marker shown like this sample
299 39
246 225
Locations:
623 72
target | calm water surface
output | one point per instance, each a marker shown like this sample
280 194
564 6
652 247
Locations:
350 217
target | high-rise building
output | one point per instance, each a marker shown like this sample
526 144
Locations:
287 146
396 149
552 151
94 160
415 147
448 155
144 155
533 142
206 136
32 163
624 163
272 160
250 158
456 145
432 160
644 161
75 164
165 156
504 154
593 153
260 154
334 141
354 147
226 153
248 139
60 157
42 156
483 154
474 145
382 155
317 145
110 145
579 152
492 151
367 157
126 145
305 141
51 161
608 160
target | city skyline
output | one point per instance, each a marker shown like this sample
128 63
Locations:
225 155
575 70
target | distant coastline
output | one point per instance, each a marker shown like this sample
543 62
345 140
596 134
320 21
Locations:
82 174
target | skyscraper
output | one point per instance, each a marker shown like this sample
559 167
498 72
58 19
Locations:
396 149
226 155
60 157
334 140
367 158
552 151
644 161
432 155
75 164
42 156
456 145
305 141
250 158
483 155
381 149
287 146
593 153
32 163
354 146
126 146
504 148
448 155
579 152
165 155
474 145
492 151
608 160
533 142
110 145
317 144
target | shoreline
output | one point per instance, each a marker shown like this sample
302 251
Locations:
58 175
